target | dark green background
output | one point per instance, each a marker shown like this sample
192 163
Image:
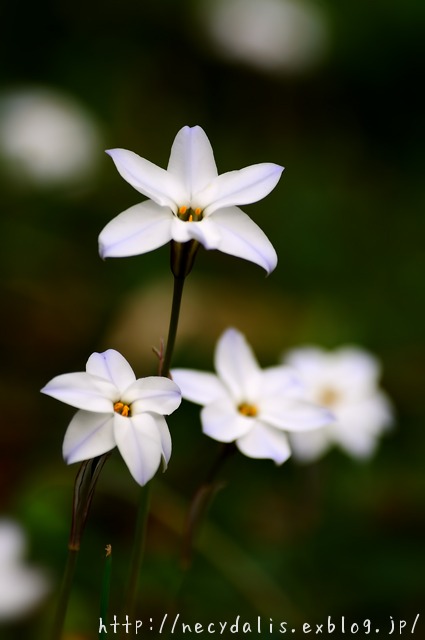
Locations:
347 220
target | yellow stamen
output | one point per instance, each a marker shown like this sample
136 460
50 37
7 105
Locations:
198 211
190 218
122 409
248 410
328 397
182 210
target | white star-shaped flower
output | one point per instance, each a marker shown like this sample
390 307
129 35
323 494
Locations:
190 201
248 405
115 409
21 587
346 381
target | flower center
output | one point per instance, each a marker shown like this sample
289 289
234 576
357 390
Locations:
328 397
249 410
187 214
122 409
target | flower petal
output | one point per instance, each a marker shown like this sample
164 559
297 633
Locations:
294 414
154 394
237 366
147 178
192 160
280 380
221 421
238 187
83 391
198 386
165 436
203 231
141 228
241 237
265 442
139 441
88 435
310 445
112 366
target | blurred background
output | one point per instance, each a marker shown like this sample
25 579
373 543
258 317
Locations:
330 90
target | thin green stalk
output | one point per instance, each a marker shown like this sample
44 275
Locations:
182 257
138 552
65 591
172 330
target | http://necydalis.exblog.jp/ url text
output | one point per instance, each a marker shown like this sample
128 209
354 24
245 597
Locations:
337 625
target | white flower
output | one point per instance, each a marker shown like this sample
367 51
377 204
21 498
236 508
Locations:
21 587
346 381
247 404
190 201
46 137
117 410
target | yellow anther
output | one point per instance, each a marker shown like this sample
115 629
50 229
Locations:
182 210
190 218
122 409
248 410
328 397
198 211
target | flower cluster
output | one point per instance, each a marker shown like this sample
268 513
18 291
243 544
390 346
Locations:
307 403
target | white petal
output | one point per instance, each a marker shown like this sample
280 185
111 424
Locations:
221 421
241 237
88 435
140 229
203 231
281 380
165 436
155 394
206 232
239 187
310 445
112 366
139 441
83 391
357 369
149 179
12 542
192 160
21 589
265 442
237 366
294 414
198 386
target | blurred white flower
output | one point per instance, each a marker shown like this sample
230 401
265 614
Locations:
345 381
252 406
115 409
21 587
47 137
190 201
272 35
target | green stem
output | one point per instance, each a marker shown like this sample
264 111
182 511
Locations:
65 591
138 552
182 257
172 329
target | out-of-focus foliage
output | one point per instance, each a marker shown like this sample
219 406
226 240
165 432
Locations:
295 542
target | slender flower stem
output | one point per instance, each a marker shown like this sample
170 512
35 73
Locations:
65 591
84 486
172 329
182 257
200 502
138 552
